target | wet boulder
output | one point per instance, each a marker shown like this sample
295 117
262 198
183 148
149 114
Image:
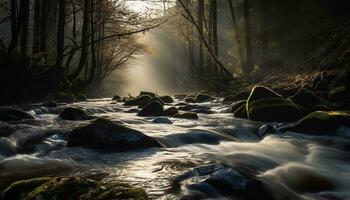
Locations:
200 98
106 135
187 115
75 114
12 114
166 99
150 100
241 112
154 108
50 104
162 120
151 94
137 101
321 122
171 111
70 188
237 97
265 105
236 105
306 98
116 98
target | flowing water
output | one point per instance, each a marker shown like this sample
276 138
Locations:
217 146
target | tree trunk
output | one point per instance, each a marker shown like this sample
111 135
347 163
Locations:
265 32
43 26
36 31
24 23
249 61
200 22
60 31
236 32
92 38
84 42
14 27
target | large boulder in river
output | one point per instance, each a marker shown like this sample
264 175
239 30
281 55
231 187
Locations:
106 135
147 93
203 98
70 188
137 101
265 105
154 108
236 105
241 112
12 114
306 98
321 122
150 100
166 99
75 114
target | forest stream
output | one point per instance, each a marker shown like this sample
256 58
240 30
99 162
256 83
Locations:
213 157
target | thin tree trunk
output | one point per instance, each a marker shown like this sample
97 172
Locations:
84 42
14 27
92 37
24 23
36 32
265 32
60 31
200 23
249 61
236 31
43 26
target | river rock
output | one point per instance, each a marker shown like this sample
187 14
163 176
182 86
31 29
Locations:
321 122
70 188
75 114
154 108
151 94
237 105
138 100
237 97
167 99
306 98
150 100
107 135
171 111
50 104
187 115
200 98
12 114
241 112
265 105
190 100
116 98
162 120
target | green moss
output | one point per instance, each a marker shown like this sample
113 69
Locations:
118 191
322 122
22 188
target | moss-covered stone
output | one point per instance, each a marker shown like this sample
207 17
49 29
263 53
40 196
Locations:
154 108
137 101
72 113
274 110
167 99
241 112
306 98
236 105
187 115
71 188
321 122
203 98
106 135
20 189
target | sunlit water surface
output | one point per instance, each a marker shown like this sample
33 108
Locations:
288 164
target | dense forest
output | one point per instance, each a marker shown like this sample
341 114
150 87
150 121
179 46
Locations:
175 99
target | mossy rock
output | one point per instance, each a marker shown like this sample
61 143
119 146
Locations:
187 115
321 122
71 188
306 98
167 99
237 97
20 189
137 101
147 94
171 111
107 135
274 110
12 114
154 108
241 112
75 114
236 105
200 98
